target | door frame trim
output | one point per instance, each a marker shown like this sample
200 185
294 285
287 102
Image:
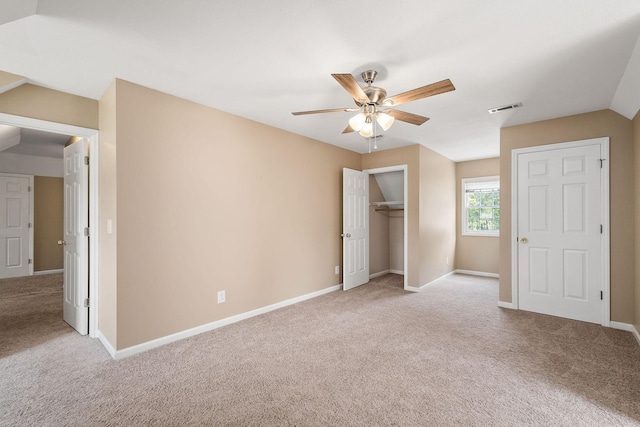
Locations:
603 142
92 136
405 169
31 192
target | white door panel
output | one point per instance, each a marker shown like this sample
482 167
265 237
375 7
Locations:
14 226
559 210
355 226
76 218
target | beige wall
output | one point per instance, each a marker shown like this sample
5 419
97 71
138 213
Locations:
378 231
396 241
48 220
208 201
636 164
572 128
107 250
475 253
46 104
437 215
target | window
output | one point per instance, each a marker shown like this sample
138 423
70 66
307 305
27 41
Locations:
481 206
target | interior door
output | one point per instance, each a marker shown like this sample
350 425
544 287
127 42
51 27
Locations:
14 226
76 218
559 232
355 228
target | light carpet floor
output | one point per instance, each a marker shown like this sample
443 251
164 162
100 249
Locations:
372 356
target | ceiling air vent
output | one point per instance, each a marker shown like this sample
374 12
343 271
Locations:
504 108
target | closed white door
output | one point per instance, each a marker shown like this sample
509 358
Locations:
76 219
355 228
560 217
14 226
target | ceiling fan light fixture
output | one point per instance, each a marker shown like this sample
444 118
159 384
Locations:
367 129
384 120
356 122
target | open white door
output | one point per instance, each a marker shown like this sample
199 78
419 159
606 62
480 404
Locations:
76 218
14 226
355 228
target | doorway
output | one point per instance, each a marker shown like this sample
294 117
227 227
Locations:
91 135
388 209
560 218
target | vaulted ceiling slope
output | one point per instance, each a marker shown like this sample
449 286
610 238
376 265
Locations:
263 60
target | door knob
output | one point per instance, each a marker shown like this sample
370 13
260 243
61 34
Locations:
523 240
62 242
345 235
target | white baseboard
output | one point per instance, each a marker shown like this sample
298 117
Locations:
378 274
397 272
107 344
130 351
626 327
37 273
509 305
477 273
414 289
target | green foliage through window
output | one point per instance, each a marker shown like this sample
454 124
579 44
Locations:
481 211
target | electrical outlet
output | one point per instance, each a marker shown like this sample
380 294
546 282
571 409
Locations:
221 297
337 269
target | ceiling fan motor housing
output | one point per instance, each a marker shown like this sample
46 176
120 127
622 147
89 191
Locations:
376 94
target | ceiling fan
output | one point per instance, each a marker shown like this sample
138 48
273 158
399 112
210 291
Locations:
373 106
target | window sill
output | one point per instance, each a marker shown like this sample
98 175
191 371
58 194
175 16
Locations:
481 234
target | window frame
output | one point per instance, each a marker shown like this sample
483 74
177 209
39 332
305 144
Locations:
464 226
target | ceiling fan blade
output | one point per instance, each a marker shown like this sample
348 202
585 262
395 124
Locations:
348 129
421 92
351 85
403 116
331 110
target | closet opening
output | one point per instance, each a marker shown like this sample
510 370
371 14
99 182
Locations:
388 227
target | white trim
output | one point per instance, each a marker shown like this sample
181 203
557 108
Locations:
508 305
11 86
92 136
464 231
107 344
397 272
603 142
130 351
405 169
414 289
476 273
626 327
38 273
380 273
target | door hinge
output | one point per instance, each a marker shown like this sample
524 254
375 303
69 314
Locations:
86 302
86 160
601 295
28 225
86 231
29 262
600 228
29 189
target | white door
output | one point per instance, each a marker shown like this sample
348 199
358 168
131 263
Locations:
76 218
355 228
14 226
560 217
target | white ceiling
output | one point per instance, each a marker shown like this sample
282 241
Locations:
263 60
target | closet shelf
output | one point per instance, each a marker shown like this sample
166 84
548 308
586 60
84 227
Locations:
380 204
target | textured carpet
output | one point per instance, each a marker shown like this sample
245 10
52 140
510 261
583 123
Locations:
371 356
